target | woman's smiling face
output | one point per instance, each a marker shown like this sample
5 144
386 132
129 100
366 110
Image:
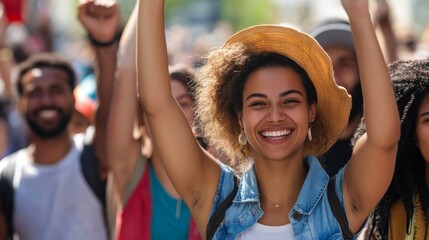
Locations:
276 114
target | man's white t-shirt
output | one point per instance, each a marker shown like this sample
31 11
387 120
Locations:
55 201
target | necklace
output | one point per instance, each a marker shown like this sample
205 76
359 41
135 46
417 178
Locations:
277 205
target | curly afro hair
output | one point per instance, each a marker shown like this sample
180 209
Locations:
411 85
219 96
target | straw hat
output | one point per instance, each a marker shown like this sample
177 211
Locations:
333 101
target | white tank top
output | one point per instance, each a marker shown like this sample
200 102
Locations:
54 201
259 231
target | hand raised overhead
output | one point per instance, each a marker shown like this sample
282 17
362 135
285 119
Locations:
99 18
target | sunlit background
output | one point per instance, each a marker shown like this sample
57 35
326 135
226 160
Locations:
194 26
240 13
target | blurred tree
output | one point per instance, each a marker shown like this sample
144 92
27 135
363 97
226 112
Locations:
244 13
175 6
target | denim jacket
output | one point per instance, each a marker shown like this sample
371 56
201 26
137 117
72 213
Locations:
311 216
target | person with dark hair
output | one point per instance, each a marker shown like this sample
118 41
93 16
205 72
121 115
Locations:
45 86
55 188
42 60
149 207
268 99
403 212
182 79
335 36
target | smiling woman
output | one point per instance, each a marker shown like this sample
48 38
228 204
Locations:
268 99
242 64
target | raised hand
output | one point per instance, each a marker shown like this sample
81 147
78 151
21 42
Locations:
100 18
382 15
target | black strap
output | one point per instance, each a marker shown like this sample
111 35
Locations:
7 195
338 210
90 170
97 43
91 173
218 216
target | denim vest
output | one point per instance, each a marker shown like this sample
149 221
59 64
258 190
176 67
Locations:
311 216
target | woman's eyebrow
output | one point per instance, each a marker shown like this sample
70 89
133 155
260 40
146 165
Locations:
424 114
290 92
260 95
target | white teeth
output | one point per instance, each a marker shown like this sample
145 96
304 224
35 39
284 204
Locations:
48 113
276 133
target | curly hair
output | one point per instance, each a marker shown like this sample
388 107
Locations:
411 85
219 95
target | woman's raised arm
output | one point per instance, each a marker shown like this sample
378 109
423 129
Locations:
370 170
188 166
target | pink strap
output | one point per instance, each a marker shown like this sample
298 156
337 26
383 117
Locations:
134 222
194 233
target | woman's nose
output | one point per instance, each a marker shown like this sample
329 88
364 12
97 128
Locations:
275 114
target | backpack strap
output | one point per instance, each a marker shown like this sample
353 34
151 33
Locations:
338 210
89 165
7 195
218 216
90 171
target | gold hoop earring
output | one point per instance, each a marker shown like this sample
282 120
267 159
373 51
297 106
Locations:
242 139
310 137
